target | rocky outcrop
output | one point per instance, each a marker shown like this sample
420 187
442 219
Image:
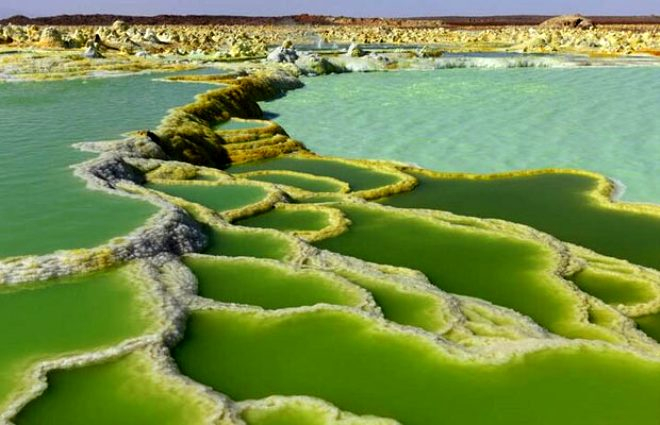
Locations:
355 51
120 26
313 64
52 38
92 50
188 133
283 54
246 46
151 37
4 37
568 21
430 52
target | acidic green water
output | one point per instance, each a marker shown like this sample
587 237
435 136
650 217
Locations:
43 206
43 321
614 289
510 272
234 242
650 324
219 198
311 183
361 367
123 391
406 306
359 178
288 219
267 284
554 203
488 120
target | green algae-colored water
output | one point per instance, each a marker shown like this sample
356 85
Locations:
602 119
123 391
68 316
362 367
310 183
358 177
406 306
288 219
247 243
509 272
44 206
650 324
614 289
558 204
267 284
217 197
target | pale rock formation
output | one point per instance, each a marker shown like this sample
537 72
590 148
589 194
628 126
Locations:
313 64
568 21
283 54
51 37
120 26
5 38
355 51
242 46
93 49
429 52
151 37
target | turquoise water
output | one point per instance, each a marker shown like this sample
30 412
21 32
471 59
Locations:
43 206
489 120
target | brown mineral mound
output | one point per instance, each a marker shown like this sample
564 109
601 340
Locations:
568 21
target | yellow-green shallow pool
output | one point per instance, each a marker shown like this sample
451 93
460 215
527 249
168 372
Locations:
505 270
247 242
69 316
216 197
129 390
358 177
268 284
286 219
556 203
299 180
363 367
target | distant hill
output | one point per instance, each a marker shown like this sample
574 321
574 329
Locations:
456 21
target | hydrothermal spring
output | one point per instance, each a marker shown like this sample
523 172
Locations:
318 290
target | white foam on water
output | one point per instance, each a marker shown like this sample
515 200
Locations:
503 62
619 188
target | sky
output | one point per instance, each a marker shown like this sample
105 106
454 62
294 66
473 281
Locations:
372 8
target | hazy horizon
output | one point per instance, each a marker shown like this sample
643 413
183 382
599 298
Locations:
370 8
